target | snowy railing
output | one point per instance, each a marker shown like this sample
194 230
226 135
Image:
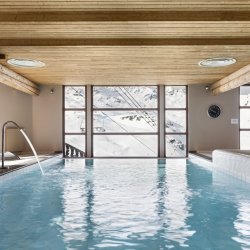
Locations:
71 151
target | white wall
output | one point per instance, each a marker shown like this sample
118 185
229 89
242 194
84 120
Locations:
47 119
206 133
15 106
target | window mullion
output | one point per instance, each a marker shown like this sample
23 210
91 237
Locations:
161 105
88 118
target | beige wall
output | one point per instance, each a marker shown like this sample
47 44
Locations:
206 133
15 106
41 116
47 119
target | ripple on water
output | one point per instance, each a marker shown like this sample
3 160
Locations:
133 205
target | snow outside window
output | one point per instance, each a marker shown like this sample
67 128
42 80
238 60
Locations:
125 121
245 117
175 121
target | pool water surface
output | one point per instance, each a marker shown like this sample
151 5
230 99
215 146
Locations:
124 204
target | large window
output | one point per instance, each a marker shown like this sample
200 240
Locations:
175 121
74 121
245 117
125 121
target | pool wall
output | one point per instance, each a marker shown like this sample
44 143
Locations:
233 162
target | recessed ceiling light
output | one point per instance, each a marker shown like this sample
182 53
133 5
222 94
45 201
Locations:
25 63
217 62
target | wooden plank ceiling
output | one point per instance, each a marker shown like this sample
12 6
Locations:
125 42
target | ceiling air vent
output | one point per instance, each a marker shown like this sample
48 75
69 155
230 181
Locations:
217 62
25 63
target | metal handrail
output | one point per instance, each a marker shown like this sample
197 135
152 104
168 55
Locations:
3 139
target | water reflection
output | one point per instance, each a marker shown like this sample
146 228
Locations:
135 208
173 208
238 209
142 205
242 225
75 223
124 205
214 205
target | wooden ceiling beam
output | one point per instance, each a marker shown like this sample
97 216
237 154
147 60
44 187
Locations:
126 16
127 42
232 81
16 81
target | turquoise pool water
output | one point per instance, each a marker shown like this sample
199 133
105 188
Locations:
124 204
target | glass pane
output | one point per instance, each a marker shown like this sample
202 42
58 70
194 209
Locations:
125 145
74 121
175 96
74 145
245 96
245 140
74 97
175 121
125 97
175 145
125 121
245 118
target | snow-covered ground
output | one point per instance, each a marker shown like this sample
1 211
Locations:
125 145
74 121
125 97
245 96
109 120
125 121
175 145
245 117
175 97
77 141
245 140
74 97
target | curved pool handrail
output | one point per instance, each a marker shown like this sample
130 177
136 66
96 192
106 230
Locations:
3 138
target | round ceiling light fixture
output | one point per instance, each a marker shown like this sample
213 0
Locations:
217 62
25 63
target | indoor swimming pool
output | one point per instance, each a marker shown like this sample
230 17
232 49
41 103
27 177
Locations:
123 204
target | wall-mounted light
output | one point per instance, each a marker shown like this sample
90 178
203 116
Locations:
52 91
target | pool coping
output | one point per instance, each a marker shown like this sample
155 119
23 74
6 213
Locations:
15 168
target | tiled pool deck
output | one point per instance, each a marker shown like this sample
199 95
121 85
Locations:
24 161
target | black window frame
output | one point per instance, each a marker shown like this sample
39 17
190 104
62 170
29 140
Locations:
67 133
89 118
240 108
176 133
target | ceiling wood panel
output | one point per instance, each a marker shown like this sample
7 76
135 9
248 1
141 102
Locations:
235 80
42 5
119 65
124 16
122 42
62 30
125 41
14 80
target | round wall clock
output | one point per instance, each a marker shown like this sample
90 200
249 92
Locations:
214 111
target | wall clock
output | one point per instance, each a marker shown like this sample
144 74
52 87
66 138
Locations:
214 111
